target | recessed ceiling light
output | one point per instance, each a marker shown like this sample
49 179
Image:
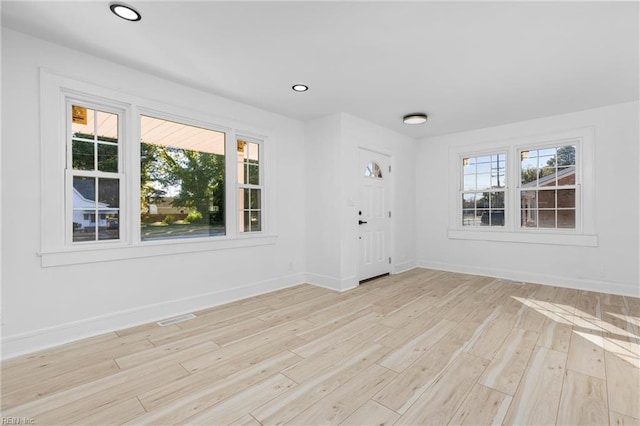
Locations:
300 87
416 118
125 12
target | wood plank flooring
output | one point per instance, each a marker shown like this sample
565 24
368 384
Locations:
423 347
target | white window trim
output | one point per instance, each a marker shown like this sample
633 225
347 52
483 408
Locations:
70 172
504 189
55 249
260 141
583 235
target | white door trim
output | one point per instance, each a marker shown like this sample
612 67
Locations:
388 203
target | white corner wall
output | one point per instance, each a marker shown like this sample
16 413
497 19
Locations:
48 306
332 176
610 267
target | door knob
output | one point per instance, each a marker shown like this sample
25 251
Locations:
361 222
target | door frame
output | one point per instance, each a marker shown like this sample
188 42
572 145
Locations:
391 197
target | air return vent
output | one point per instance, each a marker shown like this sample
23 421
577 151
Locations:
175 320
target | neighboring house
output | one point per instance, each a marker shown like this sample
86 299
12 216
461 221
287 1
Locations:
84 211
165 206
534 200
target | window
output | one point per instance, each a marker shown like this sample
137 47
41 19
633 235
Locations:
537 189
93 173
127 177
182 180
483 190
249 187
548 187
373 170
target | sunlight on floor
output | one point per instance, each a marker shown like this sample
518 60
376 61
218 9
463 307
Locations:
603 330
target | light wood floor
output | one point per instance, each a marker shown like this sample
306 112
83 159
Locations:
423 347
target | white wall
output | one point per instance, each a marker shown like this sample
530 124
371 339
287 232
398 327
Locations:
332 176
47 306
322 178
612 266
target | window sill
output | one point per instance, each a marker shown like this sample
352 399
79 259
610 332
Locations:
559 238
92 254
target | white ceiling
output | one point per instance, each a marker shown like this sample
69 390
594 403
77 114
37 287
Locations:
467 64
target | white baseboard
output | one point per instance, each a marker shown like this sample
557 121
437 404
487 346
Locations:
404 267
24 343
537 278
332 283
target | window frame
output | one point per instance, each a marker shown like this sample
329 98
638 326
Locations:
190 121
503 189
70 172
576 186
584 234
249 139
55 249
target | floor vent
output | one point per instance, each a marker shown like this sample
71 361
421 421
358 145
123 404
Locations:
373 278
176 320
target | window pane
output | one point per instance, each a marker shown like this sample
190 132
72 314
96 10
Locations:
108 193
484 167
566 219
546 199
255 199
468 201
498 177
84 192
566 155
528 199
247 221
109 228
548 170
546 219
547 176
566 198
256 224
567 175
492 218
253 174
529 218
468 166
107 126
497 200
84 209
249 202
93 219
83 226
182 171
468 217
469 182
83 156
481 204
249 163
107 158
546 153
482 200
483 181
82 122
529 176
483 216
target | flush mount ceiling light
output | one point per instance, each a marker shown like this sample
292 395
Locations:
125 12
415 118
300 87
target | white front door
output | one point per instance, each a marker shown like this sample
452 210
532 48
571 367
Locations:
374 223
